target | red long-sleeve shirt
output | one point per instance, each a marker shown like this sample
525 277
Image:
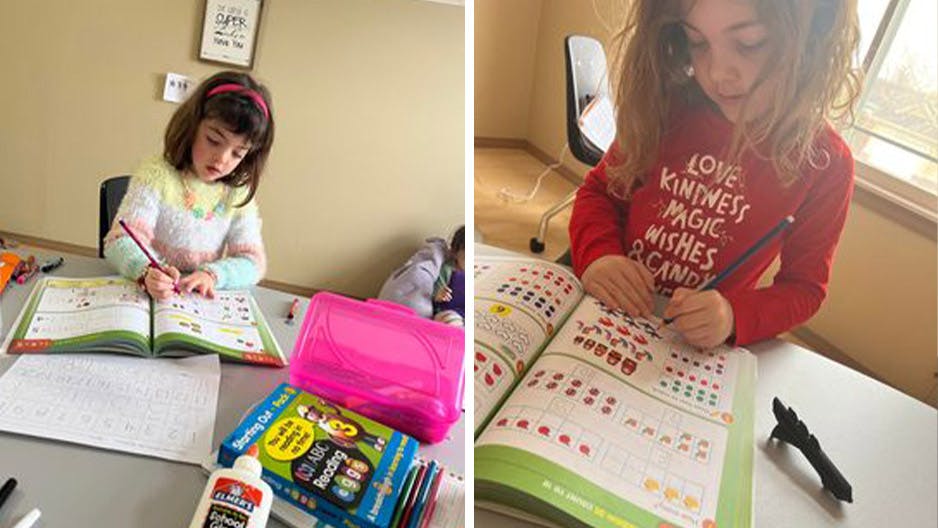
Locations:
695 213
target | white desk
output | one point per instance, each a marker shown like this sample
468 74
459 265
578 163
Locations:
84 486
884 442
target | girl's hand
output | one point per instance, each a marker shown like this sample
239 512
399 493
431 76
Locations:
160 285
705 318
444 295
200 281
621 283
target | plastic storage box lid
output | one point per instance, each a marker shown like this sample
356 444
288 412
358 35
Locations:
382 356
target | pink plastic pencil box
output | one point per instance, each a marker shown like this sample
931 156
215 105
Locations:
381 360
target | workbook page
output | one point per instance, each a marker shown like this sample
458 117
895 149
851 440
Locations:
628 408
519 304
65 314
231 324
157 407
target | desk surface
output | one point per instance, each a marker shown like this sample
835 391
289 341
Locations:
77 485
884 442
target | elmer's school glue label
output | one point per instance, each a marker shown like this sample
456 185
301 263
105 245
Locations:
235 497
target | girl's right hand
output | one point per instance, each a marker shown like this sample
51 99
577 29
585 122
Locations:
621 283
160 285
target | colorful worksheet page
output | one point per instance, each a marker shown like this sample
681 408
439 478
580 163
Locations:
76 314
160 407
633 419
231 323
519 304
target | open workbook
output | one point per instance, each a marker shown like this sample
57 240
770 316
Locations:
112 314
588 417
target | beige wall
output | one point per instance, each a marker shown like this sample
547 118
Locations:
881 309
505 40
368 97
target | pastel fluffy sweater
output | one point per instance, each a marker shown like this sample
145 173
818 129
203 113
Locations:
212 234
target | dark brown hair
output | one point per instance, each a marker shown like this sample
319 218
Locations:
241 114
813 41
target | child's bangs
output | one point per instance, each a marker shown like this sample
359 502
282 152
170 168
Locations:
241 116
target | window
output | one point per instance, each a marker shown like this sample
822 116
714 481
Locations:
895 136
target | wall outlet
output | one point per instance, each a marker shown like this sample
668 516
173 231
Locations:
177 87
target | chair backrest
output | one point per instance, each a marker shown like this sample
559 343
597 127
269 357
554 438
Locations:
109 199
586 80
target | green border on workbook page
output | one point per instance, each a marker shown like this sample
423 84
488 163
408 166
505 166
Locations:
101 341
519 478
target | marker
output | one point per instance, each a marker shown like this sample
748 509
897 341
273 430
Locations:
143 248
291 315
23 267
6 490
792 430
712 283
50 265
29 519
27 274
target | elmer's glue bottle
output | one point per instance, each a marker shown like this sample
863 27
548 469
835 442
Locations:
235 497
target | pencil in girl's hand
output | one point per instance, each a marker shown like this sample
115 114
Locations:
712 283
143 248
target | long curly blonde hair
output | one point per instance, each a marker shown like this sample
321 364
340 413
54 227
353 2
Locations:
813 45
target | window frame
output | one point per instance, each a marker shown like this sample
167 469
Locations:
879 183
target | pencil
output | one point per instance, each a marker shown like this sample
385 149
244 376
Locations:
414 494
714 282
143 248
421 502
432 499
405 493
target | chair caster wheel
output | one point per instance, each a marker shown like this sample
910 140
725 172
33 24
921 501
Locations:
536 245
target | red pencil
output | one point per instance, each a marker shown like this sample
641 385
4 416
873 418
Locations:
143 248
434 495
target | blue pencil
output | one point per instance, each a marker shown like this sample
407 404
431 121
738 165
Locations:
414 520
712 283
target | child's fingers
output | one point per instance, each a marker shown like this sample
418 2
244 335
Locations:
675 305
692 322
600 292
625 295
633 299
640 295
187 284
646 276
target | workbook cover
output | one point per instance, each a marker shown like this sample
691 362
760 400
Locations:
340 466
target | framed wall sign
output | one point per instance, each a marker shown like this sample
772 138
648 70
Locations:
229 31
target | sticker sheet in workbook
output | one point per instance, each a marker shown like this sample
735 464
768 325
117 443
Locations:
518 306
627 404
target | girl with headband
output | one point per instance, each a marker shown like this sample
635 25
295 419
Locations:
194 206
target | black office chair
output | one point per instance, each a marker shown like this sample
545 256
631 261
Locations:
109 199
586 79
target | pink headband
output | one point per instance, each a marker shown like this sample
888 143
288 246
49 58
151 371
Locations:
243 90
